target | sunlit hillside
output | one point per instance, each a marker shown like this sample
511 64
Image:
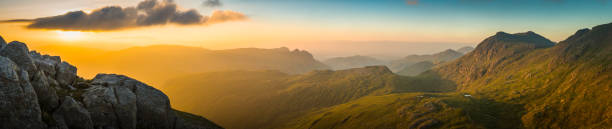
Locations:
305 64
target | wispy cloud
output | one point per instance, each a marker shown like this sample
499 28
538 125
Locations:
146 13
212 3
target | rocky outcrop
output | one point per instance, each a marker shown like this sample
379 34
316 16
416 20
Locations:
32 84
72 115
2 43
491 54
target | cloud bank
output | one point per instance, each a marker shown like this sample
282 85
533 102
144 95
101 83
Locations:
147 13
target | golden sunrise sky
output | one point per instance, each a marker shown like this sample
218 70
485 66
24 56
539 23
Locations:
307 24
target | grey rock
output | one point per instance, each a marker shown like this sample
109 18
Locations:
189 121
153 108
126 107
18 102
2 43
66 73
47 96
110 95
72 115
45 63
18 53
127 101
99 101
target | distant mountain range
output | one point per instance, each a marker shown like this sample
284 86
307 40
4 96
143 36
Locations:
508 81
340 63
155 64
465 50
408 66
437 58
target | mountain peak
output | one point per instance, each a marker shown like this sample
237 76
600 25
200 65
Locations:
528 37
2 42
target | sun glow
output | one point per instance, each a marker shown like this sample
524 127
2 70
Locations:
70 35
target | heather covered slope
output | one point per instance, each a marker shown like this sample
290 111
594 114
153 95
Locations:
561 86
41 91
230 98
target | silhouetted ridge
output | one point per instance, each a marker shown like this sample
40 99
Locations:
2 42
448 52
586 43
465 50
527 37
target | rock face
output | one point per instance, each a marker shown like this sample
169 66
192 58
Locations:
2 43
32 84
493 51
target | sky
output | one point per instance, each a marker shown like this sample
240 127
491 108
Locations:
320 26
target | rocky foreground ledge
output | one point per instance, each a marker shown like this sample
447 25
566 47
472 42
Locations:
42 92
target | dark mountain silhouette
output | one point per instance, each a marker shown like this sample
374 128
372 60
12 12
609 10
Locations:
465 50
41 91
357 61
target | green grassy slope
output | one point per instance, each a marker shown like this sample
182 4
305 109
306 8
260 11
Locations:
264 99
509 81
564 86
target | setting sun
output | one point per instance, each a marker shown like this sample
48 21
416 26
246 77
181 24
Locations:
70 35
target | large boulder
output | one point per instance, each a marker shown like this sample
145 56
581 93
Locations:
152 105
18 53
72 115
153 108
99 101
47 95
18 101
46 63
66 73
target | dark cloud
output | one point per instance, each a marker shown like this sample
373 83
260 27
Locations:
146 13
16 20
212 3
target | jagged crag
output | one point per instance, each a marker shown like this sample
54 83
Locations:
42 92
